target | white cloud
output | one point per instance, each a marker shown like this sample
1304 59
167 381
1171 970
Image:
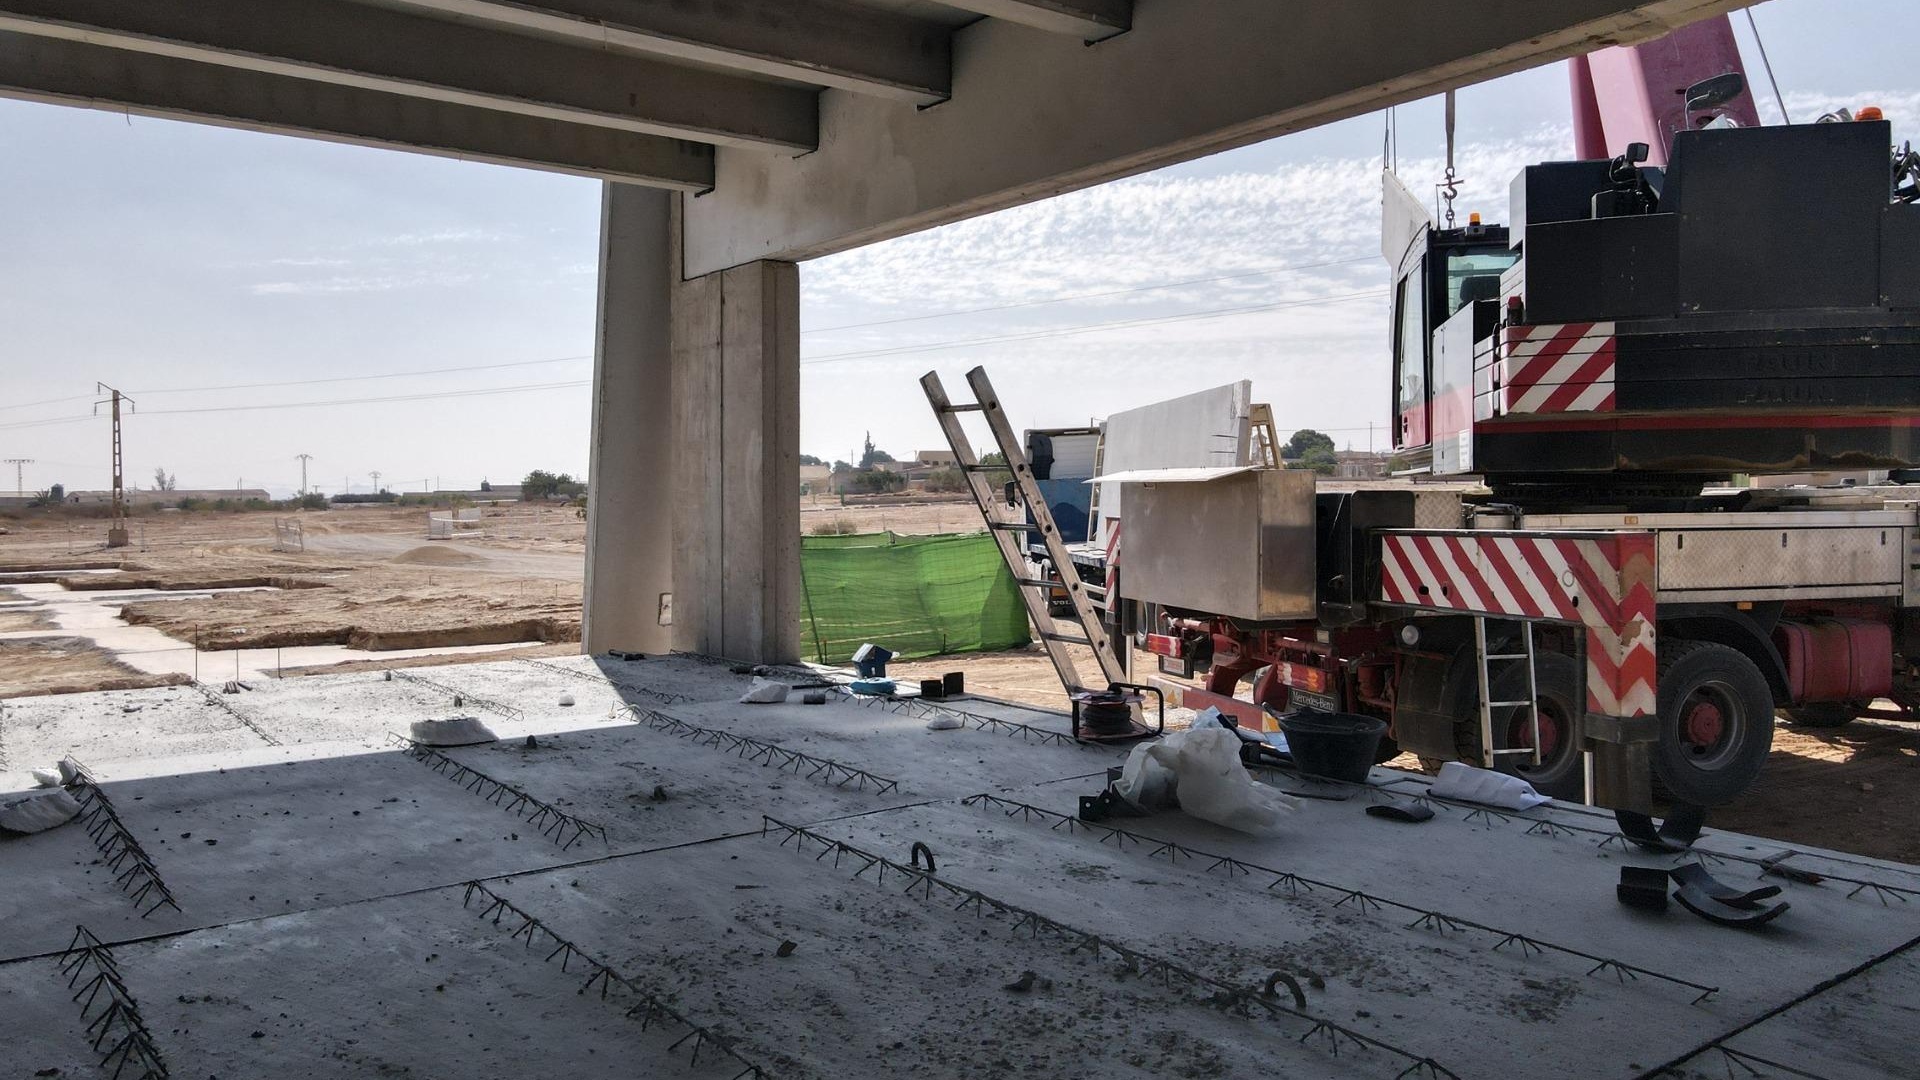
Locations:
362 284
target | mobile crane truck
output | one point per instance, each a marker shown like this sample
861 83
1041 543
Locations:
1702 299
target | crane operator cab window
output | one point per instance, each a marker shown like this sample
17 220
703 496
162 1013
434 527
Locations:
1468 272
1410 357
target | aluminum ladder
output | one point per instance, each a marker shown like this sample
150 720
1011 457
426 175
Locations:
1006 527
1487 704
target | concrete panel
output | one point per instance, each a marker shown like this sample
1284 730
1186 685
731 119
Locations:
1211 429
91 76
1033 114
631 506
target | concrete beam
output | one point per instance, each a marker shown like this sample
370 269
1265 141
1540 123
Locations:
1088 20
91 76
1034 115
373 48
630 507
825 42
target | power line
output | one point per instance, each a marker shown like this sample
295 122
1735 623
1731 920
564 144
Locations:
1094 296
1087 328
48 401
429 396
361 378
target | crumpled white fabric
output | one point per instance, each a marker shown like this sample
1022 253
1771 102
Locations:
765 691
1212 785
1458 780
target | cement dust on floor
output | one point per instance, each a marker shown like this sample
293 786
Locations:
749 894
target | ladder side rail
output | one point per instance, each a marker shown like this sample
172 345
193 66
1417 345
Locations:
1003 433
1012 551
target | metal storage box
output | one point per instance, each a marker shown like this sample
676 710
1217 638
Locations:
1237 542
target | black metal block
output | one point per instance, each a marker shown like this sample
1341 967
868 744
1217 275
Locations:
1603 269
1900 256
1785 217
1553 191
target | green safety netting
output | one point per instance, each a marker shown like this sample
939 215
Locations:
915 595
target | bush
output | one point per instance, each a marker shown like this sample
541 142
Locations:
836 527
381 497
946 480
877 482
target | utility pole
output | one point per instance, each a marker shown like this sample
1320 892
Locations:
303 458
117 531
375 473
19 473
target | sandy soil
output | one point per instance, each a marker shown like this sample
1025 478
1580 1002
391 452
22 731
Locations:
67 666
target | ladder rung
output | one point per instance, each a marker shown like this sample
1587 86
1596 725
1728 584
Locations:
1528 750
1011 526
1508 656
1041 583
1508 704
1066 639
969 407
985 468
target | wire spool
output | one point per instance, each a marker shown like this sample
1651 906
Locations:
1107 713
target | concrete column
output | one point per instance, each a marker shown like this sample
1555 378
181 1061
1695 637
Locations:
736 414
631 511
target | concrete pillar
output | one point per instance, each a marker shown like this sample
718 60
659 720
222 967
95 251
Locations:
693 527
736 378
630 510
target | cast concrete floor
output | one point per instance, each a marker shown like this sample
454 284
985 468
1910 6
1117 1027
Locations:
347 910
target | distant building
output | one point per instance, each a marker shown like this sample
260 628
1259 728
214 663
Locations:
17 500
1359 465
936 459
816 477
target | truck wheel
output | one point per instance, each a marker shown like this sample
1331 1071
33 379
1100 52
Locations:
1557 684
1716 722
1820 714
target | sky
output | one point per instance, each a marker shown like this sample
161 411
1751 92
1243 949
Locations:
188 266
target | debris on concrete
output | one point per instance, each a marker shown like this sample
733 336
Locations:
944 723
37 811
765 691
454 731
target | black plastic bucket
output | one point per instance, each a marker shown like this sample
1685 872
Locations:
1339 746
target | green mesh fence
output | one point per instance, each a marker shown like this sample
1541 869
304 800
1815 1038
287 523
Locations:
916 595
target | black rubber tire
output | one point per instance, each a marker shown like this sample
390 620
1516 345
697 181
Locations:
1719 772
1824 714
1557 681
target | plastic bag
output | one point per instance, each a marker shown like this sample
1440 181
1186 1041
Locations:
1145 782
1212 785
1468 784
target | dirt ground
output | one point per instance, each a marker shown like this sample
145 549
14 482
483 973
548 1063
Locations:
68 666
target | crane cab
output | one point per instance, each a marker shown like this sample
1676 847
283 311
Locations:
1445 300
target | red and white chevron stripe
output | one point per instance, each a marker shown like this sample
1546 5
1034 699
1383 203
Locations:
1555 368
1604 582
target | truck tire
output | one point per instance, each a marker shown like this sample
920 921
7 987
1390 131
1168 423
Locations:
1820 714
1560 701
1716 722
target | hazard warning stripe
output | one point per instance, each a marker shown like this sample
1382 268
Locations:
1603 583
1554 368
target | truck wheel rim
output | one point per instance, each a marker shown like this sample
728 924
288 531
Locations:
1520 732
1712 725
